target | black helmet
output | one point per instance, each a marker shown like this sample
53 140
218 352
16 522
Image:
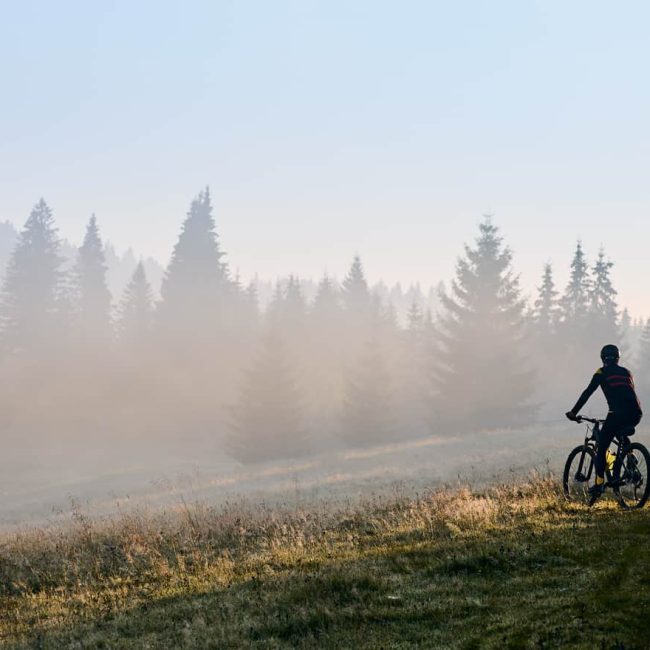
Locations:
610 354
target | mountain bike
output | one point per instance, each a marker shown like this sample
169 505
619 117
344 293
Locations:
626 470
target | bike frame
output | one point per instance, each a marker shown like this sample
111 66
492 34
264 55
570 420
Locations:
592 440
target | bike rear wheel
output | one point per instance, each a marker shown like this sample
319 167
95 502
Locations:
579 474
631 484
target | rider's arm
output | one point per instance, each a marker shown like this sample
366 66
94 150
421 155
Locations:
587 393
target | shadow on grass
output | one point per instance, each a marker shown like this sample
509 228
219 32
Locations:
580 579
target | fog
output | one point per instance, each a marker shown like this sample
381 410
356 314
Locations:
327 385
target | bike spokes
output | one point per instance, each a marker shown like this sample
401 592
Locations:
633 479
579 474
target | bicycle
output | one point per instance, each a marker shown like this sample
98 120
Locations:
626 471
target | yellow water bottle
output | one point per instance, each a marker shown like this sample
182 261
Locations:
610 458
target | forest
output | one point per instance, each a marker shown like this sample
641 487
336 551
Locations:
302 371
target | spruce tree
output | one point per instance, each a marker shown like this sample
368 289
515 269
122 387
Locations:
251 305
548 345
546 308
196 284
324 360
642 374
275 307
368 411
295 306
411 384
31 310
326 308
627 333
136 310
287 310
355 294
575 301
480 373
575 332
603 310
93 297
266 420
414 319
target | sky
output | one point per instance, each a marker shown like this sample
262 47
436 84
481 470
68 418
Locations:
329 128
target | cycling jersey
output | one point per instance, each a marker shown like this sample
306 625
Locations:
617 384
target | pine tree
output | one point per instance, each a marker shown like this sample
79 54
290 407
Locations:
31 309
136 310
642 374
603 310
575 335
326 307
295 305
575 301
93 297
266 420
355 294
410 390
368 416
287 310
415 319
251 306
196 285
546 309
548 345
276 304
627 333
480 372
324 359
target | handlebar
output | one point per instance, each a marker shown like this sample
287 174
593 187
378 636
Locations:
581 418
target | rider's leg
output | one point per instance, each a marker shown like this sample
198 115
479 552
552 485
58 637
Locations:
605 437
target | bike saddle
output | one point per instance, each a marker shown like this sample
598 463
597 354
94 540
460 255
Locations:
626 431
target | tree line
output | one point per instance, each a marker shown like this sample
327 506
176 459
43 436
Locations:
204 360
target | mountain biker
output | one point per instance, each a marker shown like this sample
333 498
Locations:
624 408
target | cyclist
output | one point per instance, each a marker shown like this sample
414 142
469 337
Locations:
624 408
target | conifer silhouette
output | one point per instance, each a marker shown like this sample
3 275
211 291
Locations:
324 361
603 309
93 299
546 307
368 417
136 309
355 294
196 284
411 387
326 307
480 370
32 308
642 371
266 420
575 300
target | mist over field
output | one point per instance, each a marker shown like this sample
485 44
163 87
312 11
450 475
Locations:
194 386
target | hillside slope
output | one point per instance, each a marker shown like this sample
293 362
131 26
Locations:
513 566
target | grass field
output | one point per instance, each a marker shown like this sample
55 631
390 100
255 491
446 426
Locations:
37 488
508 566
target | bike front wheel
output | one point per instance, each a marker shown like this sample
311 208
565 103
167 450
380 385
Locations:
631 484
579 474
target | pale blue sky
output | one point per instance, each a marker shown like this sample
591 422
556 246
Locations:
326 128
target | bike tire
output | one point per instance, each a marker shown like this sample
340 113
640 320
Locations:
581 494
637 496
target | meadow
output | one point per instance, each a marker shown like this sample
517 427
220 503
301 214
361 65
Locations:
507 565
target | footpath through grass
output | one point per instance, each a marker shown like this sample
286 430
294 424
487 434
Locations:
513 566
